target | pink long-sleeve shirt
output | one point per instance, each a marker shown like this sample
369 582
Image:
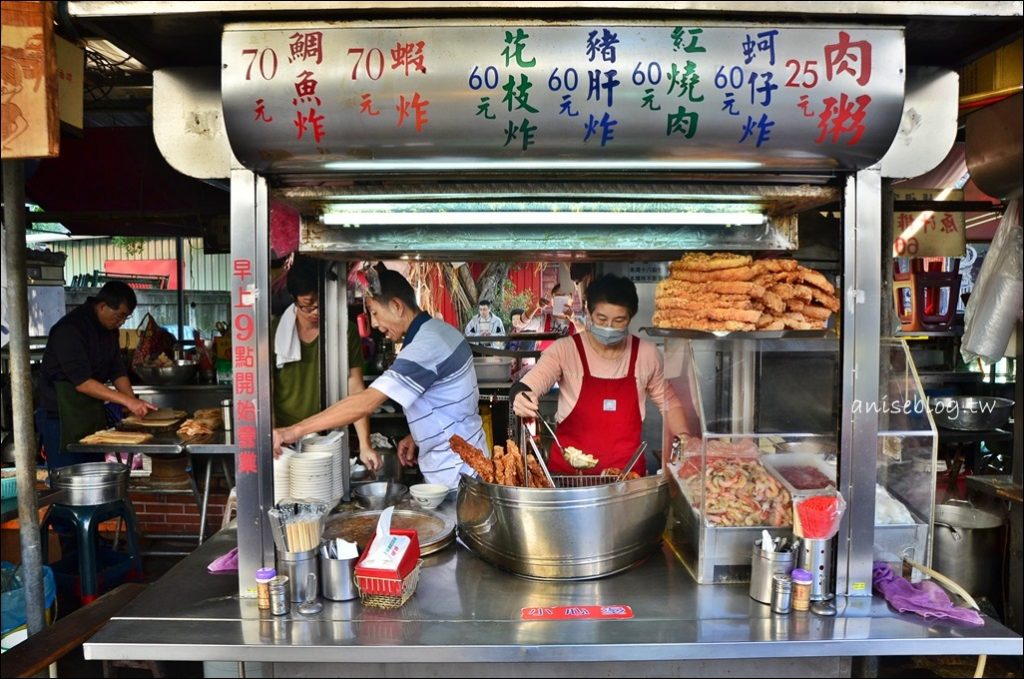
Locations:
561 363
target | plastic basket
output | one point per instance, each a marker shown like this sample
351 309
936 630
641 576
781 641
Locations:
12 599
403 588
9 487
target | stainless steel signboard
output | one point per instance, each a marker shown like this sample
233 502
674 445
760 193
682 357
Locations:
300 98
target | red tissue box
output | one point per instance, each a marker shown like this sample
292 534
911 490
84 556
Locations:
387 582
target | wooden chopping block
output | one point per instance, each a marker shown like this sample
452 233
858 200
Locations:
164 419
114 437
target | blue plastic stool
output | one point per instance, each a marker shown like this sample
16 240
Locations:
85 522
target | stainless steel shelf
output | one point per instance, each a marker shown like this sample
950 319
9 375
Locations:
752 335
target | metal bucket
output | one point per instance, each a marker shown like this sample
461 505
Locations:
969 548
563 533
92 483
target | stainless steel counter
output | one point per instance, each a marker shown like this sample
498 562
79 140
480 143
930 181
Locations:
466 611
165 443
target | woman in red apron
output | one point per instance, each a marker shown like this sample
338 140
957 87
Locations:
602 373
605 422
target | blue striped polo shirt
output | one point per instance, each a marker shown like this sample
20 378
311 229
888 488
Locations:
434 380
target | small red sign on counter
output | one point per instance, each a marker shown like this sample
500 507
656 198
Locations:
614 612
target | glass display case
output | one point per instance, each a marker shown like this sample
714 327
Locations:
907 462
764 416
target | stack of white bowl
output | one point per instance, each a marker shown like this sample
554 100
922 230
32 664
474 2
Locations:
281 476
332 444
311 476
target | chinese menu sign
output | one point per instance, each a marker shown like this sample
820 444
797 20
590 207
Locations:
932 233
674 97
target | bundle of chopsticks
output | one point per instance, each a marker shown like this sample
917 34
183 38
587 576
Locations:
735 293
297 524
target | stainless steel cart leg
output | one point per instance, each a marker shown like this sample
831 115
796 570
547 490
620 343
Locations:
206 500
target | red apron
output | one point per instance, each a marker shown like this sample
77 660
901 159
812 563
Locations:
605 421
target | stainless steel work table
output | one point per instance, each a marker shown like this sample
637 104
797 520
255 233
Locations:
221 443
466 611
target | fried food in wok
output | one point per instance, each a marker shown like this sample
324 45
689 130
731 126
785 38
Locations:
578 459
505 467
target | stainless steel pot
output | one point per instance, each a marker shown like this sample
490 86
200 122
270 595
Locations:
92 483
180 372
563 533
969 548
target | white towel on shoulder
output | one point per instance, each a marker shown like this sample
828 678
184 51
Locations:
287 347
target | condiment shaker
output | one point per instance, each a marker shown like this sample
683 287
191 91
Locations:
782 594
263 578
280 596
802 580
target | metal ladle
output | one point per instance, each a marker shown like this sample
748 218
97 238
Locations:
553 434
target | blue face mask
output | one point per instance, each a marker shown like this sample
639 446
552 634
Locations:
608 336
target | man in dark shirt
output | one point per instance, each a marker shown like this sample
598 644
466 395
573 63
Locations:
82 354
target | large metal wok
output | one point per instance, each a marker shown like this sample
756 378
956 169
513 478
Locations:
971 413
600 527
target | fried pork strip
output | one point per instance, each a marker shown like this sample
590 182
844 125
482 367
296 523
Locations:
704 299
664 319
729 292
830 302
817 279
714 313
474 457
673 287
741 273
702 261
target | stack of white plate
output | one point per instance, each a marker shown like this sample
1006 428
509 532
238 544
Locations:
281 468
332 445
311 476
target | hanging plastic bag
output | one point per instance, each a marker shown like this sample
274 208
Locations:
995 303
153 341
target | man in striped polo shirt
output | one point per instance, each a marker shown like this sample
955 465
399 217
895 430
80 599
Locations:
432 378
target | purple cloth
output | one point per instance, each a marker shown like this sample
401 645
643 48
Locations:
926 598
225 564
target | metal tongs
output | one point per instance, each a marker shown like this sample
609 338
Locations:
632 461
540 460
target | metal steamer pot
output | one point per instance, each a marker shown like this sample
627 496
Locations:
92 483
969 547
563 533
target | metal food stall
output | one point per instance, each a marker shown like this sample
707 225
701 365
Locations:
588 140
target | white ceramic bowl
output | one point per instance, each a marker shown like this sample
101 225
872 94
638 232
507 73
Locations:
429 495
